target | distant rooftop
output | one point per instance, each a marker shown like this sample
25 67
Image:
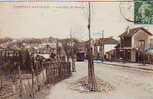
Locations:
109 40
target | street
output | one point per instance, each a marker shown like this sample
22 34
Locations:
128 83
76 49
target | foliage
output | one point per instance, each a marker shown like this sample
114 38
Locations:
67 47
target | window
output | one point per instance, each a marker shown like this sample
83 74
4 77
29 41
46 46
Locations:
141 44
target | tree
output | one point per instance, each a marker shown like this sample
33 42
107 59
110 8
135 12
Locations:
67 47
70 49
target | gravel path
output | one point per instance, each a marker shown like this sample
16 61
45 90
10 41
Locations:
128 83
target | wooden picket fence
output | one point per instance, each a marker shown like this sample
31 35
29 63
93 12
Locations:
22 62
57 71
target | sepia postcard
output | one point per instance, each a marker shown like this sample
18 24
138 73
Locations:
76 49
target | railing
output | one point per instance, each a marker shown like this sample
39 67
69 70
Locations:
148 58
145 58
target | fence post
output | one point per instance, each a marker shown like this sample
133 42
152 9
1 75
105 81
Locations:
37 76
32 73
20 79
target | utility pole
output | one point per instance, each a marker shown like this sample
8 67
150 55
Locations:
72 52
57 51
102 45
91 74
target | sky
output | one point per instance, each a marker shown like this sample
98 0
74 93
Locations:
58 19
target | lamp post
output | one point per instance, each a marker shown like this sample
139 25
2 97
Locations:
102 45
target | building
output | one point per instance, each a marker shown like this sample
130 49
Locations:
104 45
81 52
133 43
97 51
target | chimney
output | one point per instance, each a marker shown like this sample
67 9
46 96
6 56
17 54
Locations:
128 29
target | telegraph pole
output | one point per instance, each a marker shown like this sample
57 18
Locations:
91 74
102 45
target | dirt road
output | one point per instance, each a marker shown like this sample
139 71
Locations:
128 83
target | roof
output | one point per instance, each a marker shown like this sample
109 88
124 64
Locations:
82 44
118 45
109 40
133 31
